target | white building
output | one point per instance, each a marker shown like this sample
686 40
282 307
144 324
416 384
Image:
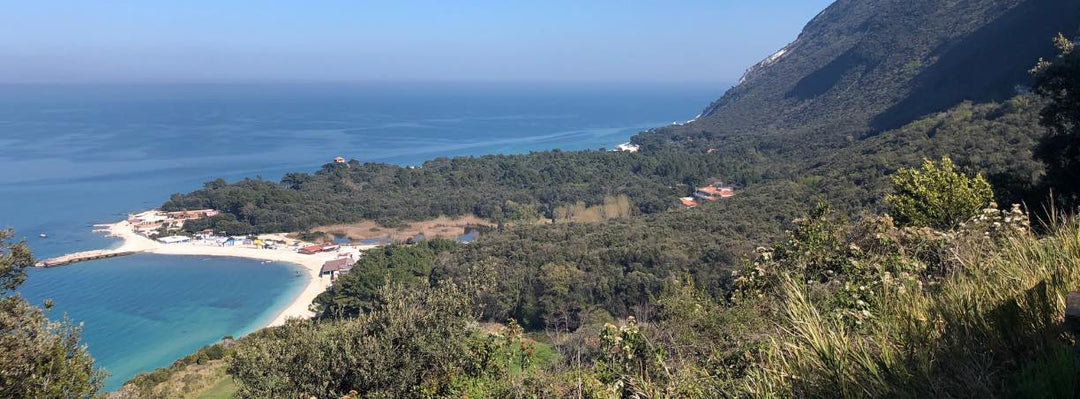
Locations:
627 147
174 239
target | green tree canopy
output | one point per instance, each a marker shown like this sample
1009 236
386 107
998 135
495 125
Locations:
1059 82
937 196
39 358
412 343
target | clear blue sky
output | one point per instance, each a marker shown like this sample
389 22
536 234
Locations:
400 40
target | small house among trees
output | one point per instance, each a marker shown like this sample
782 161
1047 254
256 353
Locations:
336 267
714 192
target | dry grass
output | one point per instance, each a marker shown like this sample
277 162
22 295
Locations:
193 381
442 226
612 208
973 336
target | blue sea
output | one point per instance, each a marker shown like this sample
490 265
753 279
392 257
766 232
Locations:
72 156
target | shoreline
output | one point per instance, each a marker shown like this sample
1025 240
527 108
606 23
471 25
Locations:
297 307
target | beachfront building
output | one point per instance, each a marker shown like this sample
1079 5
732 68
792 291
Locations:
146 223
173 239
152 222
339 160
192 214
336 268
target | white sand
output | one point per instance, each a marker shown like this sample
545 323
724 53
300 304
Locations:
297 308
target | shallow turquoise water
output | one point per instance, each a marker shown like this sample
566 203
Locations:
144 311
72 156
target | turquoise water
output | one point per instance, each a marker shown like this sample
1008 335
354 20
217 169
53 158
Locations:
72 156
148 310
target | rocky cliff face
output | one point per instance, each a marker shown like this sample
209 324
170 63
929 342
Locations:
865 66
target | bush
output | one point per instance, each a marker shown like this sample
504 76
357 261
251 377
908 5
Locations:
975 332
412 343
938 197
39 358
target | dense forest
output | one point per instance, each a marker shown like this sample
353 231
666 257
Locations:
616 267
505 188
865 253
875 306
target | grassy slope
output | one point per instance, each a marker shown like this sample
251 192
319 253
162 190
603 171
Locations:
222 390
991 327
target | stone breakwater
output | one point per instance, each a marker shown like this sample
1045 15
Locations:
83 256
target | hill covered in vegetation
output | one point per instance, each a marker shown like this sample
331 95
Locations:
888 275
617 266
872 306
862 67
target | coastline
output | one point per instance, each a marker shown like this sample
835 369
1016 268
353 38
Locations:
297 307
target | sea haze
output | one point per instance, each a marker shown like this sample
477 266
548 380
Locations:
78 155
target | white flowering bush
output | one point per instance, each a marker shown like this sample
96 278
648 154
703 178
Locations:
851 270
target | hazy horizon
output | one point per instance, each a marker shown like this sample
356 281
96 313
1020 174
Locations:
197 42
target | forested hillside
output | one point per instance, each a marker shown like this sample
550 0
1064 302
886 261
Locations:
860 69
847 264
498 187
865 66
618 265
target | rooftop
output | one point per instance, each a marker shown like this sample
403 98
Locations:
336 265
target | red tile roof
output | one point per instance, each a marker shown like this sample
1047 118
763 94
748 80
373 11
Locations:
313 248
716 191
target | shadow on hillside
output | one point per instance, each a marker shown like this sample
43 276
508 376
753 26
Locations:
1011 44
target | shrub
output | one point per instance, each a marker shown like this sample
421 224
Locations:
937 196
414 342
39 358
983 330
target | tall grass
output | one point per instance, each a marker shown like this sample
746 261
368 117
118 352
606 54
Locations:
978 332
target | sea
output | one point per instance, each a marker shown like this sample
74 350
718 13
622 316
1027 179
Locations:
72 156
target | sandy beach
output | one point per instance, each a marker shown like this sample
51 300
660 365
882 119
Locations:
298 307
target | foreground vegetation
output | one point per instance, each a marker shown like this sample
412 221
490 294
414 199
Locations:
39 358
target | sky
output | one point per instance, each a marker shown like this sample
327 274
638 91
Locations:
193 41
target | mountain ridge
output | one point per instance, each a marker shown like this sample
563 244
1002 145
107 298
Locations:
862 67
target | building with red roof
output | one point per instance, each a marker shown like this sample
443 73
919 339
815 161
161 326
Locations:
713 193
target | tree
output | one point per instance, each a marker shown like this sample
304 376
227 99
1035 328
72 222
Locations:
357 292
413 343
294 180
937 196
39 358
1059 149
559 307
